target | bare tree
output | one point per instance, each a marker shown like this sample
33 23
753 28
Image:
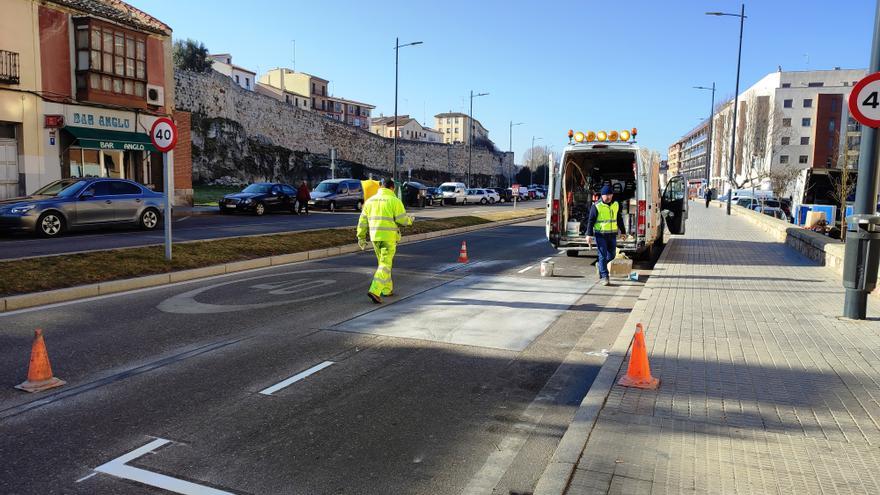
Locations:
536 156
842 186
782 178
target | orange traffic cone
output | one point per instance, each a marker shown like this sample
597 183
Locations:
39 375
462 254
638 374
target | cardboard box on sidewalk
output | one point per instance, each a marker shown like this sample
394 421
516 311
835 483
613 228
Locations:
620 267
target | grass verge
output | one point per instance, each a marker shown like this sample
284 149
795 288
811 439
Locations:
209 195
57 272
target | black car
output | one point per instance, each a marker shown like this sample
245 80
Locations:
260 198
505 194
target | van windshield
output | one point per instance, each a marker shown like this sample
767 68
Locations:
447 188
327 187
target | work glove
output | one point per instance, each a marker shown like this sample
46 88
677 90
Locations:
362 243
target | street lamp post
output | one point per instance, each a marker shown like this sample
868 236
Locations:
510 148
709 142
471 134
742 18
397 47
532 165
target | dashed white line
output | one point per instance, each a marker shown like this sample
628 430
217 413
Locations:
117 467
548 258
295 378
526 269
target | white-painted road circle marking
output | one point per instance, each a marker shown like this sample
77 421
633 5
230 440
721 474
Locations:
295 378
186 302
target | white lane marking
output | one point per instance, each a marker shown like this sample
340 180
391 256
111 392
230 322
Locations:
295 378
526 269
86 477
117 467
548 258
181 219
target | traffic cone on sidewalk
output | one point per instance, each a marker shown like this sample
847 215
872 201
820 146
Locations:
638 374
39 375
462 254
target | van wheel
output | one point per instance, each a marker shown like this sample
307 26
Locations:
464 201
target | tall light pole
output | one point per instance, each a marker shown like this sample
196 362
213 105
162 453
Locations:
510 148
709 142
471 134
397 47
531 165
742 18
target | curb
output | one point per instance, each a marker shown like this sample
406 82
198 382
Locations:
24 301
558 473
176 213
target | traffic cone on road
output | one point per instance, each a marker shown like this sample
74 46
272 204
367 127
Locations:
638 374
462 254
39 375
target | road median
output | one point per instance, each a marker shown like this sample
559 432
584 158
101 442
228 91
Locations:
40 281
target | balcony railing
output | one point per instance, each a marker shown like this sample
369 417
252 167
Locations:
9 67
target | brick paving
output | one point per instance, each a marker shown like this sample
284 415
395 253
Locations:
763 388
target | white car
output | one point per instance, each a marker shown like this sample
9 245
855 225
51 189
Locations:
477 196
493 196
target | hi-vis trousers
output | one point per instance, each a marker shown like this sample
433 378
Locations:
382 284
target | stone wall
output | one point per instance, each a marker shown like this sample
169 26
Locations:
253 137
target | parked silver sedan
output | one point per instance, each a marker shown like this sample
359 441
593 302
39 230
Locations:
83 203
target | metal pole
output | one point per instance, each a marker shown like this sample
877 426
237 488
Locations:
855 301
531 164
470 140
742 18
510 149
396 57
709 144
169 190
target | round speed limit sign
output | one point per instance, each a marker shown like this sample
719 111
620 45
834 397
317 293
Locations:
164 134
864 101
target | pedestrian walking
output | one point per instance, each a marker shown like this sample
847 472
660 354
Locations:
303 195
380 215
708 197
604 224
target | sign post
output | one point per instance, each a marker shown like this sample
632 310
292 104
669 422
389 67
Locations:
163 134
514 189
859 263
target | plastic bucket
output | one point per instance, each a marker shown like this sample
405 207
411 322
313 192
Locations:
547 268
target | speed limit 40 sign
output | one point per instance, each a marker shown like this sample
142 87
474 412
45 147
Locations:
864 101
164 134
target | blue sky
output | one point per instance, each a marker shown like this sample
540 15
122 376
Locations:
553 65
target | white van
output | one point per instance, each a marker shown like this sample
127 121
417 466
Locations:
587 165
453 193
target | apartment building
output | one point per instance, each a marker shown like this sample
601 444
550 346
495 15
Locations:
81 83
245 78
321 101
407 128
455 129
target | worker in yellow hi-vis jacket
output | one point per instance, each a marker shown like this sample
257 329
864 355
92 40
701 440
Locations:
381 215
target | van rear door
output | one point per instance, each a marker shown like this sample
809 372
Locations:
674 204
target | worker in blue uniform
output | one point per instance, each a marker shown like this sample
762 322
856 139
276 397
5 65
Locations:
604 224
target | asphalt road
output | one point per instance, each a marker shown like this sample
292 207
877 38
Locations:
201 227
290 381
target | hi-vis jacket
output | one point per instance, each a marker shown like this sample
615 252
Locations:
605 219
381 215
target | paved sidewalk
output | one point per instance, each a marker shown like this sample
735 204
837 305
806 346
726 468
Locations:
763 389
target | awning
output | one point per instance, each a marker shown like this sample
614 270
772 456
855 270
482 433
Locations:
100 139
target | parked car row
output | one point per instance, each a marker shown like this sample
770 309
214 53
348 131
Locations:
777 208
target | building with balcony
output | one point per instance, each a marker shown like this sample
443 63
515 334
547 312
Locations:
245 78
321 101
81 83
407 128
455 128
295 99
673 159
